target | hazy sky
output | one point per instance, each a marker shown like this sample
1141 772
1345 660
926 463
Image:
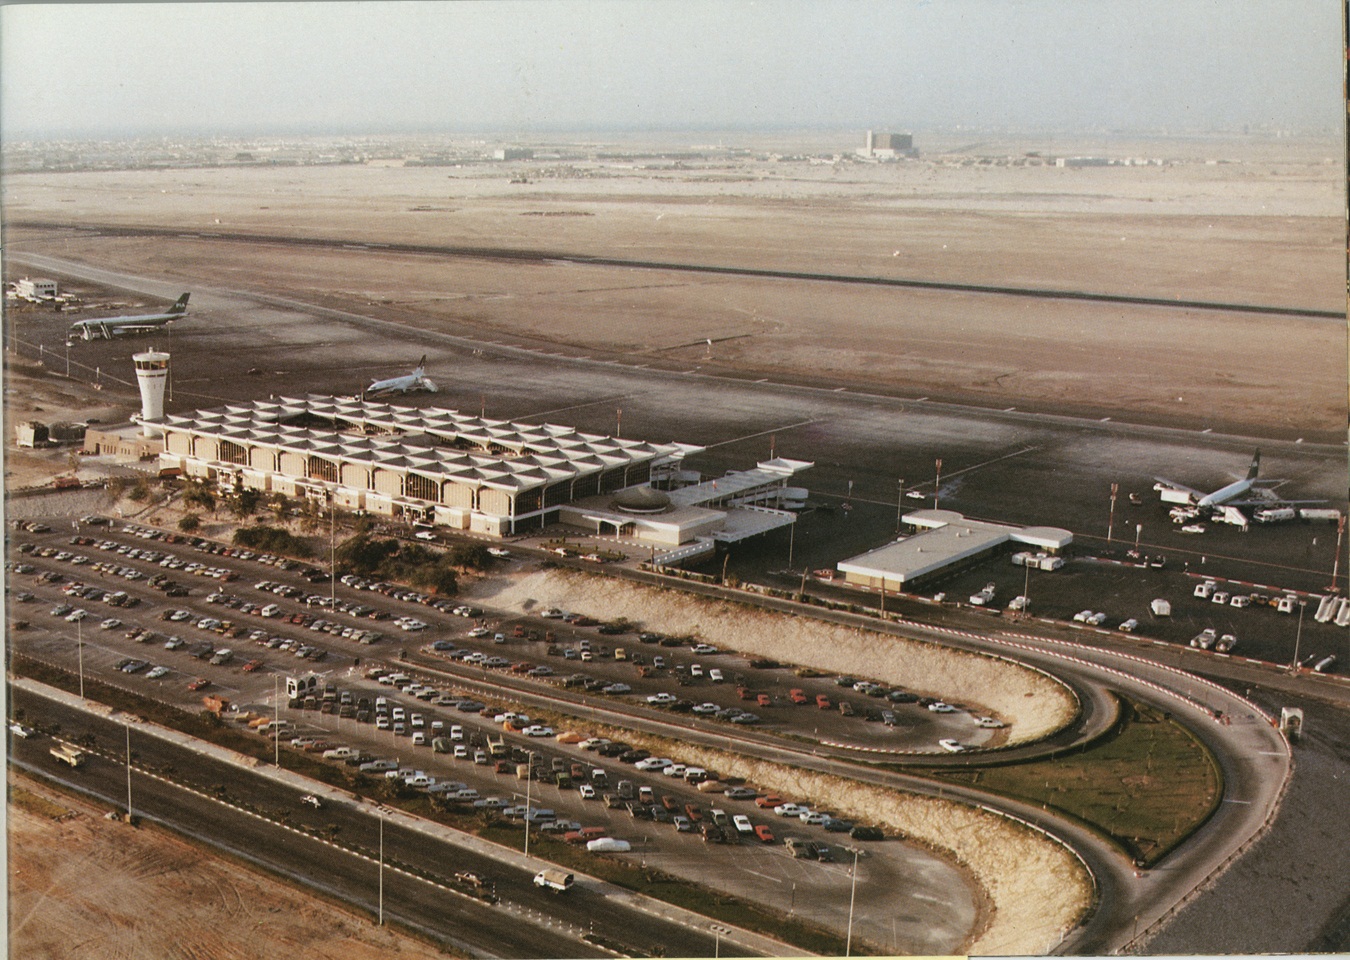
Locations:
109 69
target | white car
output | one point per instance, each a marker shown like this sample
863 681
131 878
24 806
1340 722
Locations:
791 810
674 770
75 616
112 623
940 707
704 648
499 552
1096 620
1128 626
173 643
479 632
652 763
988 723
1081 616
586 791
707 708
425 535
156 672
951 746
812 817
535 730
742 823
661 699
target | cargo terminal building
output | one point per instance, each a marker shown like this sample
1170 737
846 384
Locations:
466 473
944 542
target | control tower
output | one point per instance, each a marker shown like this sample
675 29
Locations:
152 373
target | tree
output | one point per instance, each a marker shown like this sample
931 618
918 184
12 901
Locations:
246 503
190 523
199 495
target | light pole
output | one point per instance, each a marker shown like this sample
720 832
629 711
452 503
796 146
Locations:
276 719
899 504
937 482
852 894
381 818
79 644
526 818
1298 634
792 536
1138 529
128 771
332 552
1111 520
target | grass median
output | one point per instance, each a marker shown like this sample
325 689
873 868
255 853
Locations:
1146 785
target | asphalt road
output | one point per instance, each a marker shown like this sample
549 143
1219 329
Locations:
526 921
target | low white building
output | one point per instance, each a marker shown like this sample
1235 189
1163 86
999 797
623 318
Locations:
944 540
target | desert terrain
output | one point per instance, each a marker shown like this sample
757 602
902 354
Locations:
141 893
1237 223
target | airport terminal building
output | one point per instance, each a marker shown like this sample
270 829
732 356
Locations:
467 473
944 541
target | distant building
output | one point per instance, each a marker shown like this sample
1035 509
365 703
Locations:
888 146
30 433
36 289
513 153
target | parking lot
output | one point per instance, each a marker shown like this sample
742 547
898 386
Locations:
249 622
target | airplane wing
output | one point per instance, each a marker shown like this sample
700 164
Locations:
1161 482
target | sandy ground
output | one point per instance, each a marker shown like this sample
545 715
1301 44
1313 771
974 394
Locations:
45 395
143 893
1032 704
1226 222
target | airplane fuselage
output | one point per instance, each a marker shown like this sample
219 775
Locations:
1235 489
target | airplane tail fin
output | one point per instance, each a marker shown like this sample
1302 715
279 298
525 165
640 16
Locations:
421 365
180 305
1256 466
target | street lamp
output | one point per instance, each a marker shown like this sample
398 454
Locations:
937 482
899 504
848 942
526 818
1298 634
79 645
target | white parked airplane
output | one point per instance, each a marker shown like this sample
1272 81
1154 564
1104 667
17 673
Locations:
109 327
416 380
1222 503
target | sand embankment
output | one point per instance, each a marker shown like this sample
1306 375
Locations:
1034 889
1031 703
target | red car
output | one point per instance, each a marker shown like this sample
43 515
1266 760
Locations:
764 833
769 801
798 696
199 684
252 665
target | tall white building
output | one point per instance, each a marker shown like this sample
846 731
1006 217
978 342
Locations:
152 373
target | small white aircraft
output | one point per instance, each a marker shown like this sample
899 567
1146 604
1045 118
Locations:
110 327
416 380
